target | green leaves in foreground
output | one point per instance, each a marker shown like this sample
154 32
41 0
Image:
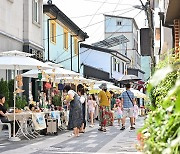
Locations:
161 131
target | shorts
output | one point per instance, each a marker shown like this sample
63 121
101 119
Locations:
91 110
128 112
119 116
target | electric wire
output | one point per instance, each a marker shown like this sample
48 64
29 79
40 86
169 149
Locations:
73 43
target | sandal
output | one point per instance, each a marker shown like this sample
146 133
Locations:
131 128
104 130
123 128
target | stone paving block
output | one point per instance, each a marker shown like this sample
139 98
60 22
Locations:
91 145
92 136
90 141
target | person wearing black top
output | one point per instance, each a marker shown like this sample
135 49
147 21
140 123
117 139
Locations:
3 112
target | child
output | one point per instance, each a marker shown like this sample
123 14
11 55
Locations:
135 113
91 106
119 113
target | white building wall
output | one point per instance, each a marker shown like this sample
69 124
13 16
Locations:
33 31
99 60
130 31
11 18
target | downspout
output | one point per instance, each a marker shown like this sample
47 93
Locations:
78 58
71 52
48 34
161 15
111 65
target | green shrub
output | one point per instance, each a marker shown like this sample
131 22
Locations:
11 95
161 131
5 91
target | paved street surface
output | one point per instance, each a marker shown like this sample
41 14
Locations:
93 141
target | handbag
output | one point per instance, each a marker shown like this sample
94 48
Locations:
130 98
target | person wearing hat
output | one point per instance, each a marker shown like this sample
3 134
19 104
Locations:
104 106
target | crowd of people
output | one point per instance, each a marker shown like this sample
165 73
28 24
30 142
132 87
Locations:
108 106
83 107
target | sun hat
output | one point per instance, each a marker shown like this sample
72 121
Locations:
103 86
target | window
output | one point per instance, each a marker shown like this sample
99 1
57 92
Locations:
122 68
65 38
118 23
53 31
114 64
36 11
157 34
119 67
76 49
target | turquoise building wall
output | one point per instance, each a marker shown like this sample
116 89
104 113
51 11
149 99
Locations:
146 66
57 53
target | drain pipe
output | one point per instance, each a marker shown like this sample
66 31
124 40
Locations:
48 34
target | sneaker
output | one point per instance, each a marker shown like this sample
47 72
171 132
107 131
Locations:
71 135
91 126
131 128
123 128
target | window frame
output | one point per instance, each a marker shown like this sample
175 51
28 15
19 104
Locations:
76 47
65 38
53 29
36 15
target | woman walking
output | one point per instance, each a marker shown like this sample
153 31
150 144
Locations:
80 91
104 107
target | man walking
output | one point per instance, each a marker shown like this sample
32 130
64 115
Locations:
128 100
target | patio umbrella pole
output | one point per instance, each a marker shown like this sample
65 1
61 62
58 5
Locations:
14 138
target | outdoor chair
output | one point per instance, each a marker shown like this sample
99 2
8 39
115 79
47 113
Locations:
5 124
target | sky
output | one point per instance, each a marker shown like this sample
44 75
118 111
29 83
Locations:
88 14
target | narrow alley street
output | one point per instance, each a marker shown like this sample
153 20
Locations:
93 141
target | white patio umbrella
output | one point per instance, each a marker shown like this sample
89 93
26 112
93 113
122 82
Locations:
58 72
17 60
61 72
129 78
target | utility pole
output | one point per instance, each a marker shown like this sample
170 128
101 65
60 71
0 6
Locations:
149 15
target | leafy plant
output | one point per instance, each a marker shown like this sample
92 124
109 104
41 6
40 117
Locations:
161 131
5 91
21 101
57 100
11 90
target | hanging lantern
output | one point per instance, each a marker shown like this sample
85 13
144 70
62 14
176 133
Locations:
39 76
47 85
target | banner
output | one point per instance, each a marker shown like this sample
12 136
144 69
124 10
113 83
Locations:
56 115
39 121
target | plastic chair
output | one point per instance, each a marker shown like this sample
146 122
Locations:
5 124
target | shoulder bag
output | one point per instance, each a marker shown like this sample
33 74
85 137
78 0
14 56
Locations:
130 98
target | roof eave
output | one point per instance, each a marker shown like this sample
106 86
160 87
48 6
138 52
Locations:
54 10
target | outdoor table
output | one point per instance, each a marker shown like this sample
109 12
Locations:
21 119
